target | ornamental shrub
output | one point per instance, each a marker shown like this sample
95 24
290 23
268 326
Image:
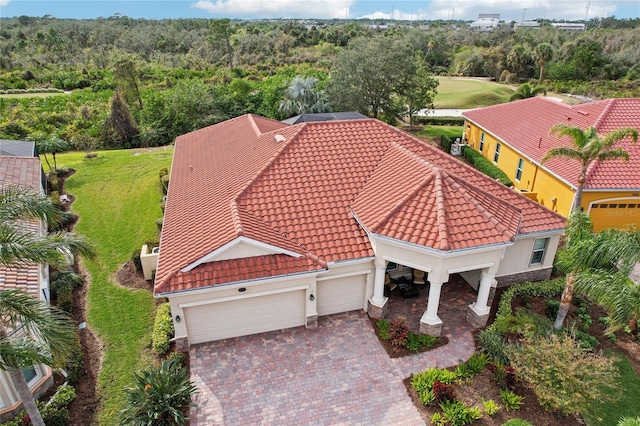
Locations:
562 373
443 391
398 333
458 414
510 400
162 329
159 396
485 166
551 308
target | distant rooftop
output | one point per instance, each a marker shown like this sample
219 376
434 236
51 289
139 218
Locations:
328 116
17 148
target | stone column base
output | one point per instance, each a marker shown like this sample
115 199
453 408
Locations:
431 327
377 312
312 322
182 344
476 317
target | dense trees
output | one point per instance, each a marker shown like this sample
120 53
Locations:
246 67
372 73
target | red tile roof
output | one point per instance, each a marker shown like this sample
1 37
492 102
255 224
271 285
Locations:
525 126
21 171
299 187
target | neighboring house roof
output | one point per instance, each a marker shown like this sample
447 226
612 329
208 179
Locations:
525 125
325 116
21 171
310 188
17 148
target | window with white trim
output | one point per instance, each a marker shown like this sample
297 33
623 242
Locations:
519 169
496 154
481 142
539 250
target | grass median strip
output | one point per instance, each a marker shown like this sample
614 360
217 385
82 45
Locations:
118 200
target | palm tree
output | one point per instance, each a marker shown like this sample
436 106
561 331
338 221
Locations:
526 91
47 144
543 53
587 148
616 252
31 332
301 97
579 228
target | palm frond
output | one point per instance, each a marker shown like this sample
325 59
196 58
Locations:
22 202
562 151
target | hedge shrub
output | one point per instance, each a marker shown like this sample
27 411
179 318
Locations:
162 329
485 166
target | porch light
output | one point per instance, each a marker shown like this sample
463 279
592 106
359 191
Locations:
178 318
311 297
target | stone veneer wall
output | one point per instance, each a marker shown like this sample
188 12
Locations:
507 280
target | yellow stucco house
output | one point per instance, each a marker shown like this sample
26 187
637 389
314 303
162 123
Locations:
515 136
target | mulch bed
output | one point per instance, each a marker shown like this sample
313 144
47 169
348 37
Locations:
397 352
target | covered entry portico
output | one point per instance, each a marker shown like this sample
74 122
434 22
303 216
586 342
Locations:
478 266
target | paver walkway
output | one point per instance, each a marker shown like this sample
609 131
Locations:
338 374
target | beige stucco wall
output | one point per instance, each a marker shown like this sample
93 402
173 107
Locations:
517 257
10 400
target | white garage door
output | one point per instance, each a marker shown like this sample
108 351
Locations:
340 295
215 321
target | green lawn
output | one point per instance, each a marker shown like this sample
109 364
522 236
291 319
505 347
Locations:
118 200
628 394
468 93
435 132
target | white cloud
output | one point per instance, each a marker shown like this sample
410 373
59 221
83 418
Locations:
276 8
397 15
4 2
514 11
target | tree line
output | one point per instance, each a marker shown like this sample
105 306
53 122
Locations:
137 82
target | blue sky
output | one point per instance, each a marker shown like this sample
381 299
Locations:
253 9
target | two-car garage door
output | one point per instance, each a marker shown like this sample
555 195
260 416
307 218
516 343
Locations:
241 317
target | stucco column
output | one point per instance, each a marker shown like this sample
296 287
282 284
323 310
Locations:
430 323
378 303
478 312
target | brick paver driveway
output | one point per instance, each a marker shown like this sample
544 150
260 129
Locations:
338 374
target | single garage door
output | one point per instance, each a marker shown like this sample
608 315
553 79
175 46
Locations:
615 214
241 317
340 294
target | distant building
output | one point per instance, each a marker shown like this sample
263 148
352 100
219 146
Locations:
569 26
527 24
485 24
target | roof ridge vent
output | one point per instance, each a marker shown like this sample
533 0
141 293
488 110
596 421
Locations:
279 138
583 112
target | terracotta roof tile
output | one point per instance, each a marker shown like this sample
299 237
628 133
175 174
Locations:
21 171
525 125
299 191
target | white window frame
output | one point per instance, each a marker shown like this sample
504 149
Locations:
539 251
35 379
496 153
519 169
481 147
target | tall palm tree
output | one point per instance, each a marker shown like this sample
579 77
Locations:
571 260
526 91
542 53
31 332
616 252
47 144
301 97
587 148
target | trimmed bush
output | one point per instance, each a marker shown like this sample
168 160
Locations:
485 166
162 329
551 308
74 363
398 333
439 121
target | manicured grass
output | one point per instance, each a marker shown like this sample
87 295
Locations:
118 200
627 393
468 93
431 132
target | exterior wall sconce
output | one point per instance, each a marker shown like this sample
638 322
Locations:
311 297
242 289
178 319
